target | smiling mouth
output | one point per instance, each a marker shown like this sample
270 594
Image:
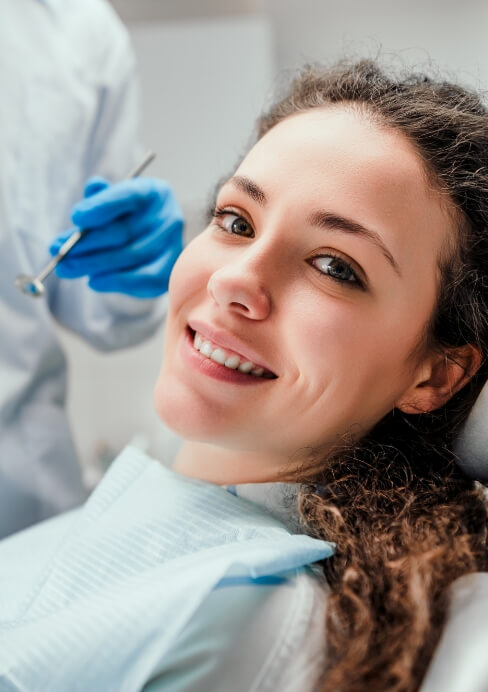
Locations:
227 358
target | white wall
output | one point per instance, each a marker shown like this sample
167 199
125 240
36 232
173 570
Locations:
451 33
199 97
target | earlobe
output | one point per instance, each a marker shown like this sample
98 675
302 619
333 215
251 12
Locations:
439 378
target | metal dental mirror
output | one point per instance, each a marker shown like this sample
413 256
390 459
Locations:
32 285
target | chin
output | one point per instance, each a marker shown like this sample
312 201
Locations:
180 412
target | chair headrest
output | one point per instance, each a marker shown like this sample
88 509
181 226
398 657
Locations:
472 444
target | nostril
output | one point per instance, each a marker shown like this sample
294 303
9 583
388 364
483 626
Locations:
239 306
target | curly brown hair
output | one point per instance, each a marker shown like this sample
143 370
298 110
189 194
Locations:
406 520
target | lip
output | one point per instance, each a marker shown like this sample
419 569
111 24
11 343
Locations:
210 368
229 341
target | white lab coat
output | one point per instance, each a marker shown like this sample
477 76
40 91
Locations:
68 111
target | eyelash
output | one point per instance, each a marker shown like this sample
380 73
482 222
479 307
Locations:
220 212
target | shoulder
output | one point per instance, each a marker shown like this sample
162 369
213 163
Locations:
262 635
91 11
93 32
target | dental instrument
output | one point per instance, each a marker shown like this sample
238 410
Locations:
33 285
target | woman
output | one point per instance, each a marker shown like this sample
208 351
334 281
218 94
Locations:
328 328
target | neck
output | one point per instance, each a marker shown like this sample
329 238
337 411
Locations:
224 466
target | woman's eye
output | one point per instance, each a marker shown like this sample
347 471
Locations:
233 223
337 269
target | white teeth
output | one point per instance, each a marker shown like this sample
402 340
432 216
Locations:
233 361
246 367
206 348
219 356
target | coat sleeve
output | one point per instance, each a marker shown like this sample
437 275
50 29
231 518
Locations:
107 61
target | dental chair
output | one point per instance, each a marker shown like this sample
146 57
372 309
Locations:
460 663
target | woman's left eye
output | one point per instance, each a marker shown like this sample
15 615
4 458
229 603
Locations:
233 223
337 268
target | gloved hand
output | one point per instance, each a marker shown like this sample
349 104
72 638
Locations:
134 236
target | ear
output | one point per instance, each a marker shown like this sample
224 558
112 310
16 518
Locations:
439 377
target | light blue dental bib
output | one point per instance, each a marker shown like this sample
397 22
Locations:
139 558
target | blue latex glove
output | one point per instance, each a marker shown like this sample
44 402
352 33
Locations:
134 236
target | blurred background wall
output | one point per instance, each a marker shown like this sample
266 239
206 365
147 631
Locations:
206 68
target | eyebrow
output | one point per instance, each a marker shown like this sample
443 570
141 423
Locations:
250 188
320 218
329 220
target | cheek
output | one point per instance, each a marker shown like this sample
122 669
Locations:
353 344
190 274
327 331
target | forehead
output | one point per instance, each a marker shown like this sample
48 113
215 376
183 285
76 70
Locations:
340 159
343 142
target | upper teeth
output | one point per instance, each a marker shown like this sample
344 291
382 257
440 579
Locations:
230 360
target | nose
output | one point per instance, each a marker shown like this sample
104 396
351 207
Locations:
240 289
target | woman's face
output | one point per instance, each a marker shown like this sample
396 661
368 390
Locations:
321 265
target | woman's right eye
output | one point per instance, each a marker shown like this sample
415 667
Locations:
231 222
